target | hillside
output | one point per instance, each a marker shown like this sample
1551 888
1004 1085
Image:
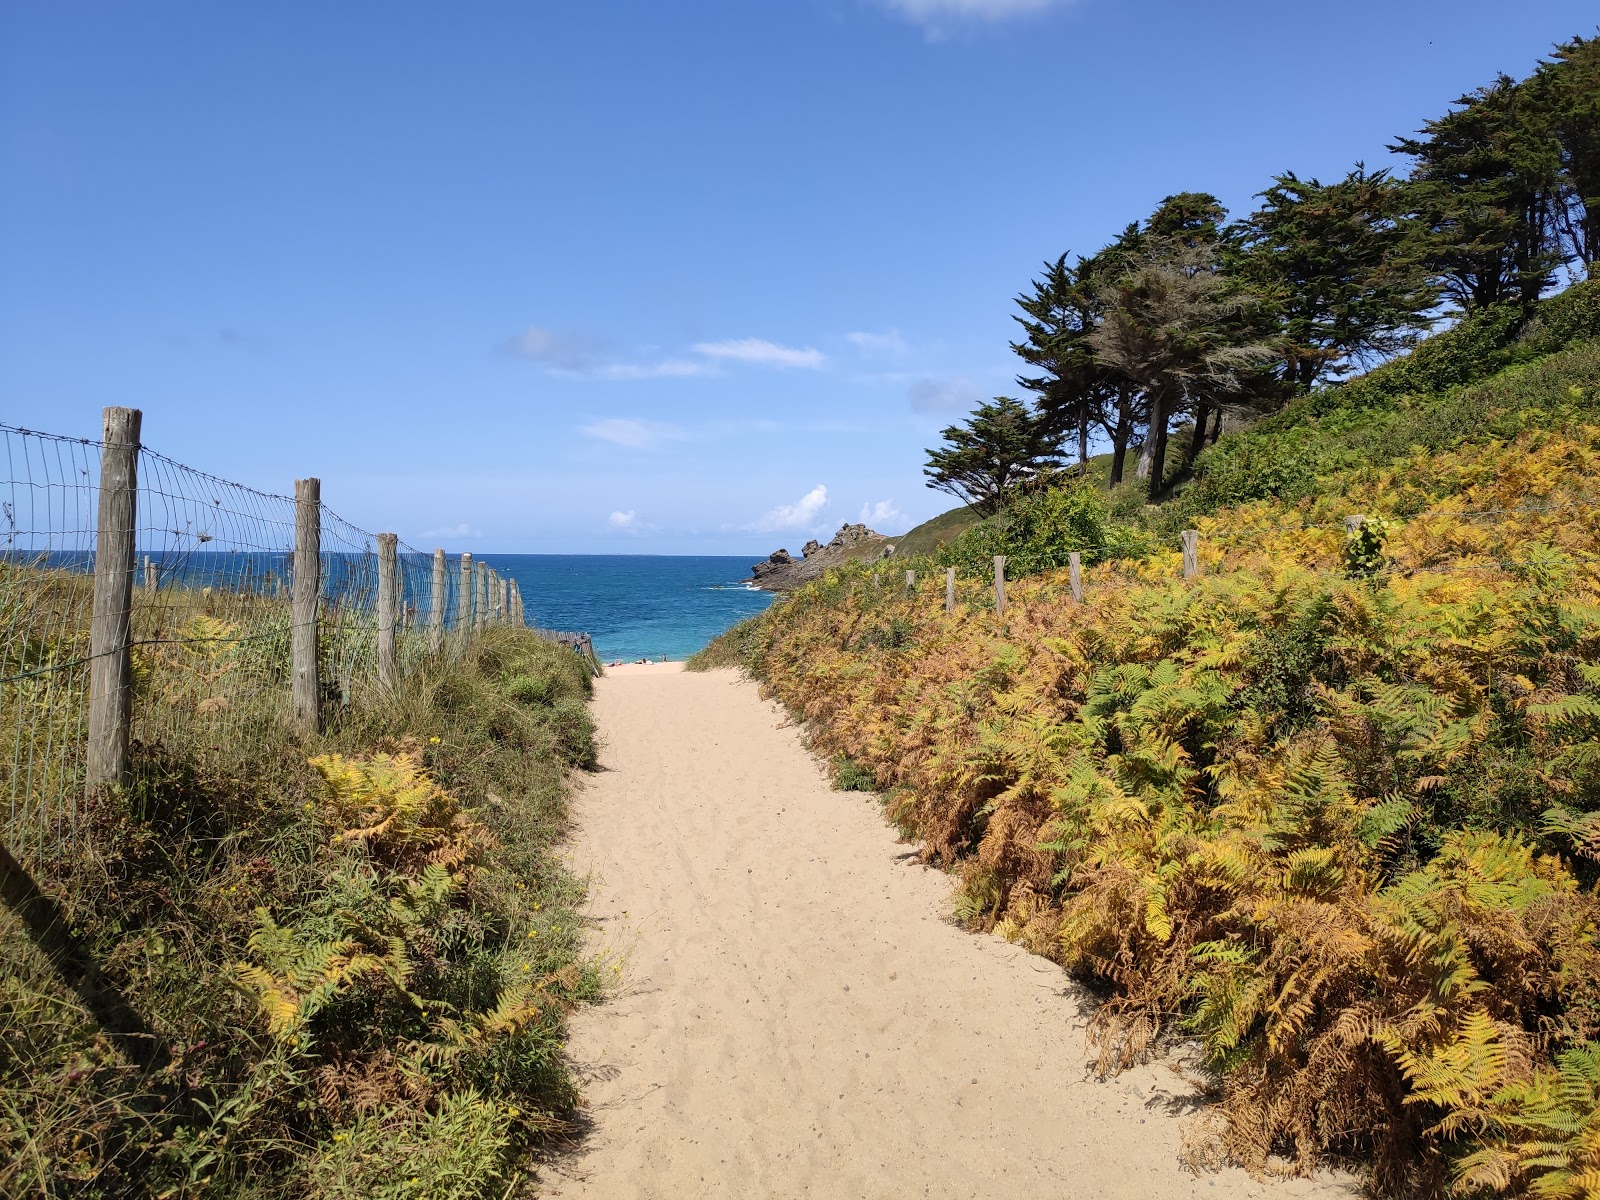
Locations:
1331 807
925 539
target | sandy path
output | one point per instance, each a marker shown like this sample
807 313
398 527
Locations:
797 1018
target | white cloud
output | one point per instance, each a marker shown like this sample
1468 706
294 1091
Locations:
880 345
569 352
627 521
883 515
800 515
932 12
462 530
763 353
560 350
672 368
943 395
632 432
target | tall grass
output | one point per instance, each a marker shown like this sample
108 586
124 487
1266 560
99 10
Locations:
356 952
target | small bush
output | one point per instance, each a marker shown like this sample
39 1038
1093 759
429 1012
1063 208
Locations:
1038 531
850 776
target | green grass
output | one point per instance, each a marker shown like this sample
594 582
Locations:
436 1081
925 539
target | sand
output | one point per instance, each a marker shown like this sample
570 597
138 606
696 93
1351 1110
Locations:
797 1016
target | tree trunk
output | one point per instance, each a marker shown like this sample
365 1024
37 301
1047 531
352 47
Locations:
1083 441
1216 427
1119 441
1197 438
1153 461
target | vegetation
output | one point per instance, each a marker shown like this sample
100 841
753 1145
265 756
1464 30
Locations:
999 447
1328 808
1186 316
354 956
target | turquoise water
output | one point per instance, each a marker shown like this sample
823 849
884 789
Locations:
634 605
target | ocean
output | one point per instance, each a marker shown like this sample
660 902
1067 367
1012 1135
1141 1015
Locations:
634 605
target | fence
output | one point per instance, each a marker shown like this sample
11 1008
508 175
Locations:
993 595
146 606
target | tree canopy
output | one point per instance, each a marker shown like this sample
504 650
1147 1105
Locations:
1002 444
1187 316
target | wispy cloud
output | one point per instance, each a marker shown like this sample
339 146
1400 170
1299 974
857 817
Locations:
800 515
890 346
571 352
627 521
762 353
936 13
943 395
559 349
883 515
670 368
462 530
632 432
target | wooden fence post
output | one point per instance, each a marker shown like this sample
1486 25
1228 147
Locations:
505 602
518 617
1075 575
1191 553
999 585
481 606
305 594
111 619
149 574
464 599
949 589
1353 523
388 676
911 581
436 604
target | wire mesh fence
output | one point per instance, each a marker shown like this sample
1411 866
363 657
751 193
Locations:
209 614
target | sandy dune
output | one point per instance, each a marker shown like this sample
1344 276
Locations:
798 1018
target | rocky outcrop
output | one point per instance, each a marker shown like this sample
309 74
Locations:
779 571
774 562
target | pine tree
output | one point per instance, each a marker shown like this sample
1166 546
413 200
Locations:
1333 260
1002 444
1487 182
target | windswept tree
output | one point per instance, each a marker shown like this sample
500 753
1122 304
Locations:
1566 90
1335 262
1177 328
1487 182
1074 393
1002 444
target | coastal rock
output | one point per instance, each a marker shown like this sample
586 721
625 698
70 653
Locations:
852 535
779 571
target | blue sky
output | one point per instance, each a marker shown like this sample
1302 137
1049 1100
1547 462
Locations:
627 276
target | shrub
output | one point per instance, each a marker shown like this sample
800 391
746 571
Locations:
850 776
1037 531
